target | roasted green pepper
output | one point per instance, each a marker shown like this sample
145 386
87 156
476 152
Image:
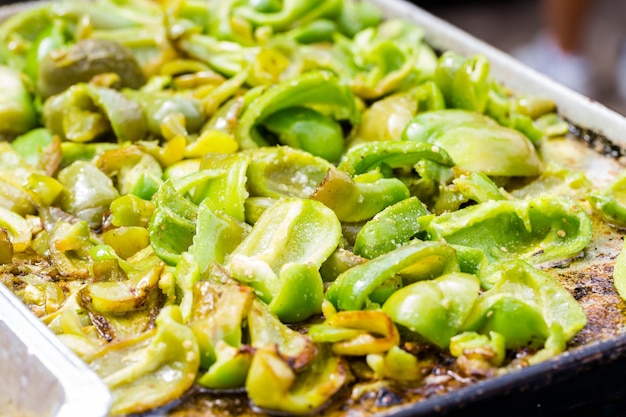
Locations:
437 309
17 111
415 261
540 229
390 229
523 306
319 90
84 112
279 260
476 143
60 69
359 198
610 203
152 368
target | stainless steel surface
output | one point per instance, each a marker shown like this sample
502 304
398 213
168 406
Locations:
40 376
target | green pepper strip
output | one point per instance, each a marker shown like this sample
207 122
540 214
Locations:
273 385
156 106
523 306
152 369
173 224
357 333
279 260
478 347
476 143
478 187
228 192
436 309
293 13
17 111
368 156
267 331
464 82
541 229
391 228
396 364
217 315
318 89
417 260
360 198
610 203
17 230
69 114
278 172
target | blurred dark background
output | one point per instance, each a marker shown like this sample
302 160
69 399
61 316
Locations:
511 24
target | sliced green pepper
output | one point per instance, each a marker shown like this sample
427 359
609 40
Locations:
610 203
120 309
227 58
156 106
356 16
389 56
357 333
173 224
476 143
464 82
69 246
360 198
83 112
63 68
306 129
289 14
538 230
137 172
152 369
228 192
437 309
416 260
217 235
267 331
318 90
478 187
396 364
17 111
90 192
523 305
130 210
391 228
285 172
32 145
6 247
273 385
279 260
17 230
394 154
477 354
217 317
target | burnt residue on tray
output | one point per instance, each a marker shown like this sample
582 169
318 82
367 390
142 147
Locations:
597 142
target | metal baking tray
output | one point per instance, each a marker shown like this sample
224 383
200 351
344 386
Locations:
41 377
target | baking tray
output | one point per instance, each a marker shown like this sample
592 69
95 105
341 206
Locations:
39 367
40 377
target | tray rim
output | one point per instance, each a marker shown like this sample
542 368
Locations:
82 388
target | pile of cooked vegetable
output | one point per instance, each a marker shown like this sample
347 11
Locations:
283 197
